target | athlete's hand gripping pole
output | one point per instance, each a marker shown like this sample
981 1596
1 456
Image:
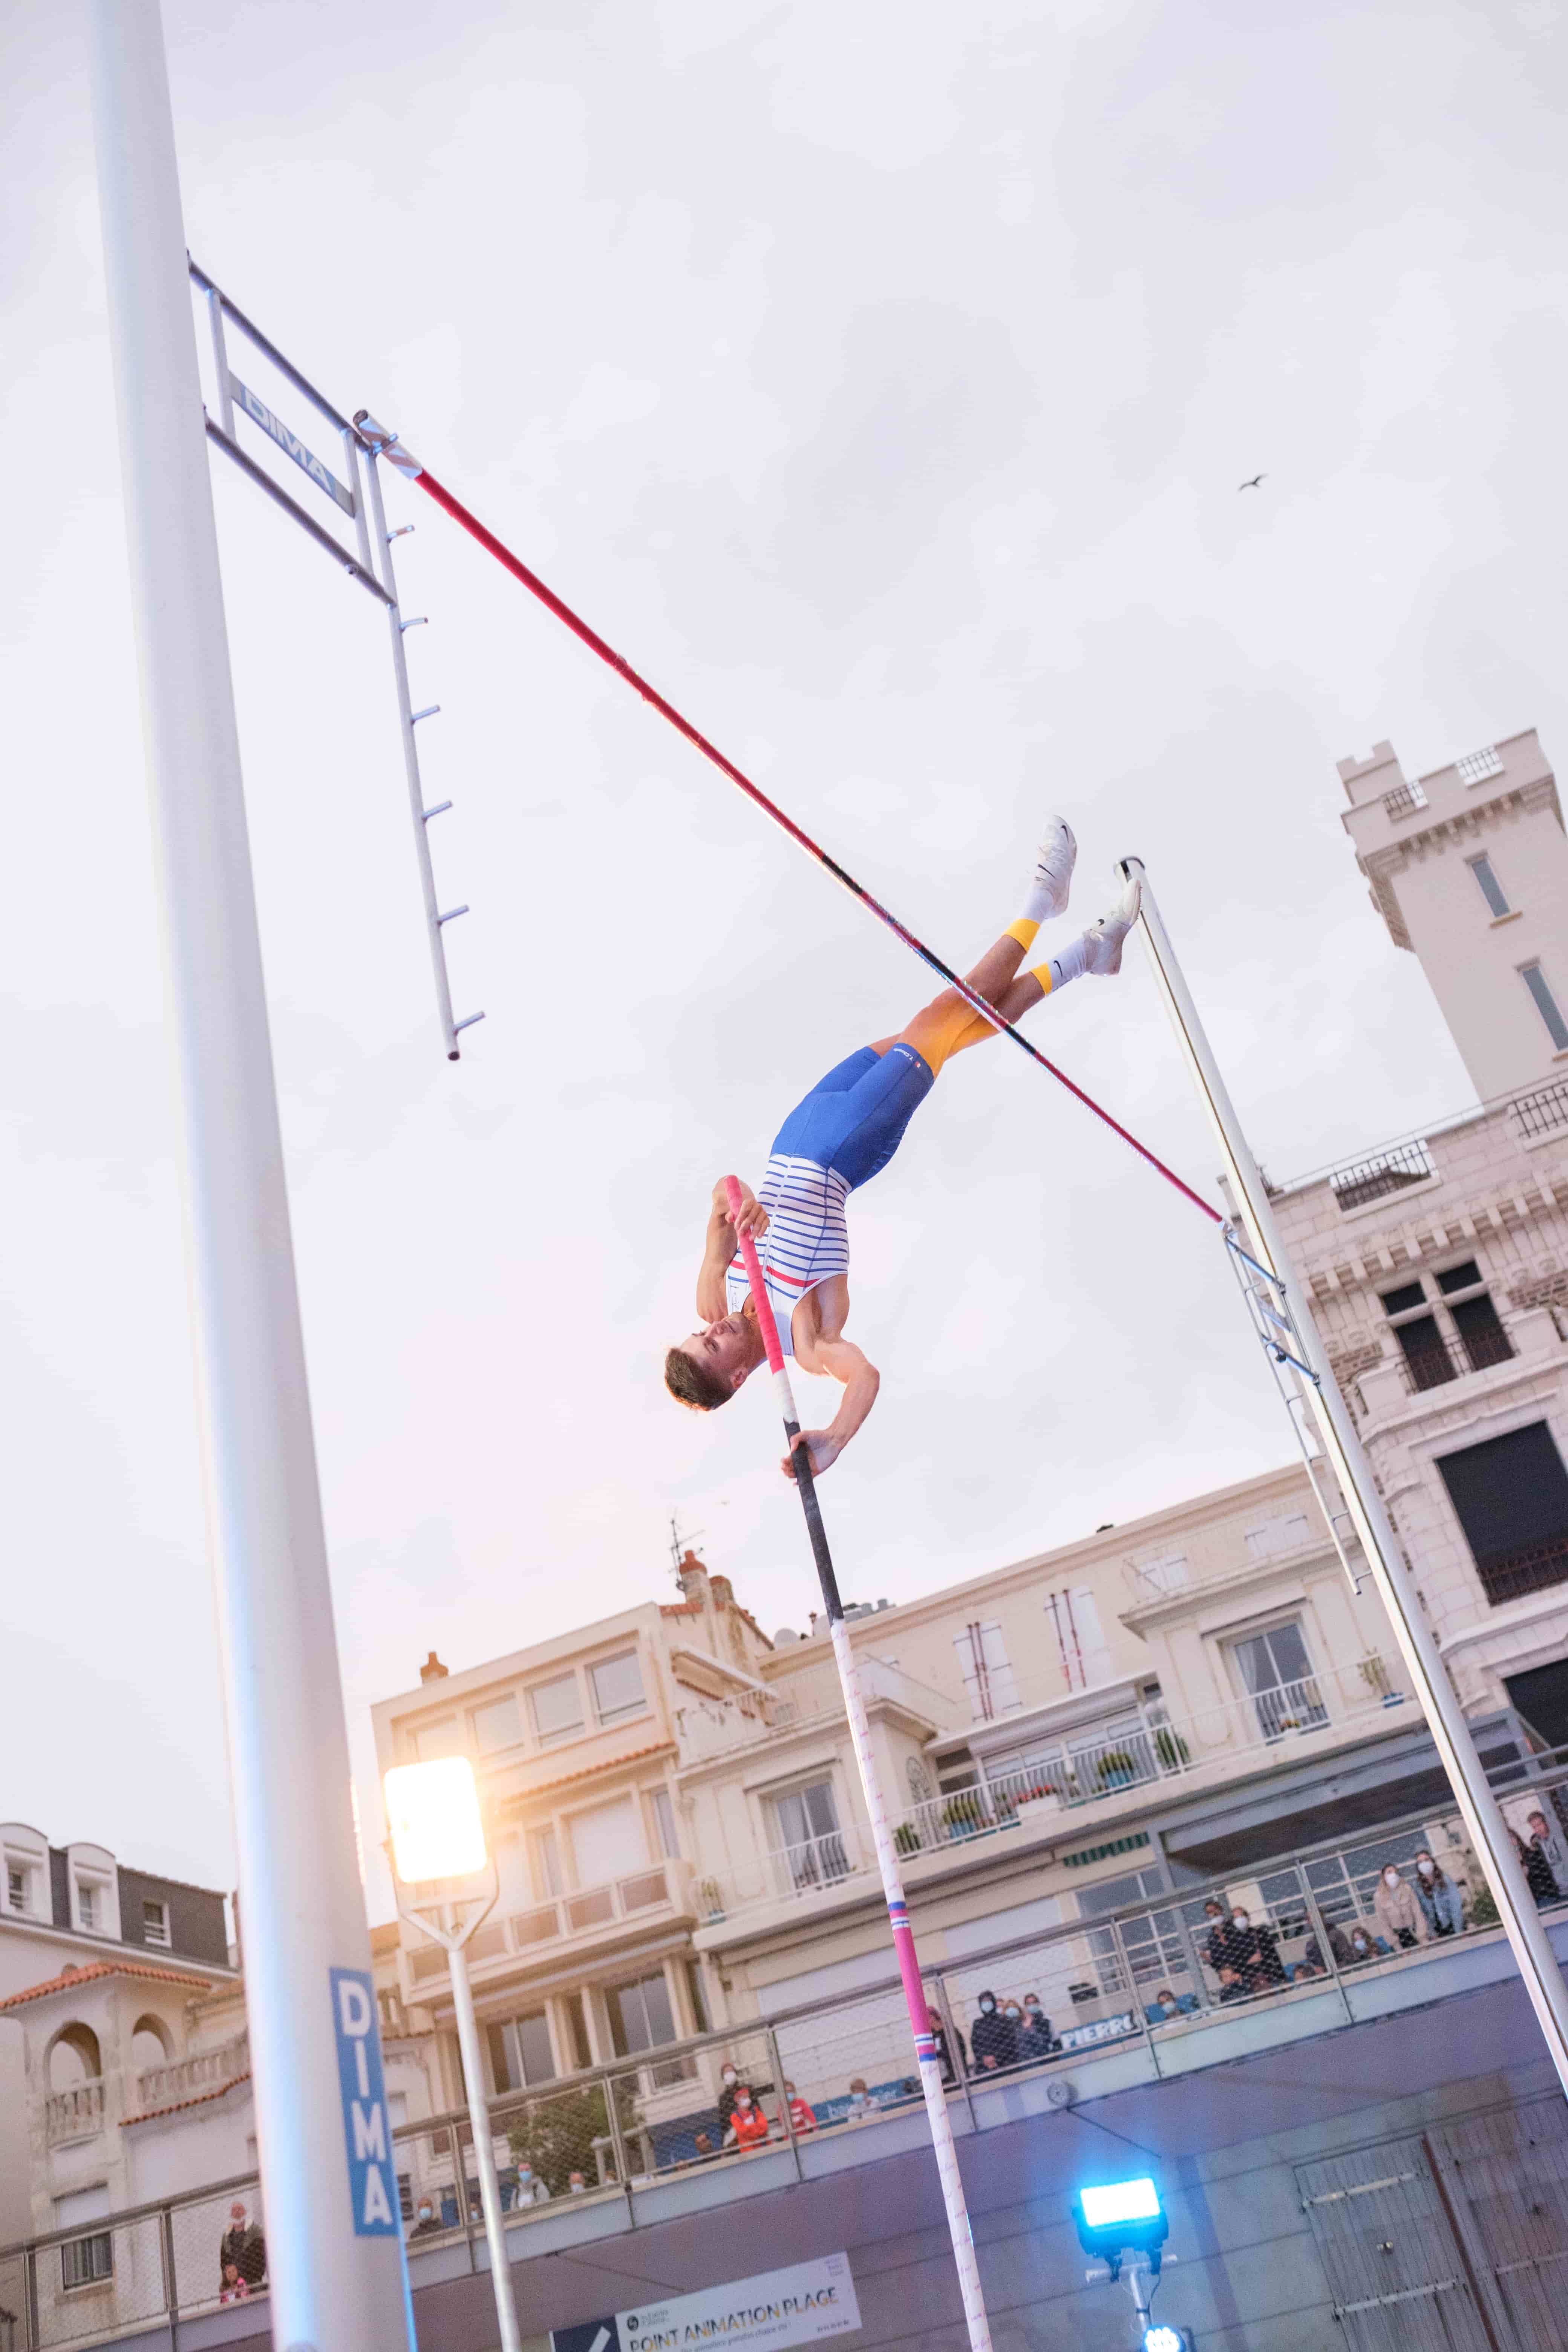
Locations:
860 1733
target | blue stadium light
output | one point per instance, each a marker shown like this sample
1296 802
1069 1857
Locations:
1116 2217
1163 2339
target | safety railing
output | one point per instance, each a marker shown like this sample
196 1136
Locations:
662 1885
1170 1965
1391 1171
163 2086
74 2113
1436 1359
1541 1112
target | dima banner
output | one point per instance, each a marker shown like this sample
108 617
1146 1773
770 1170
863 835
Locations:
804 2305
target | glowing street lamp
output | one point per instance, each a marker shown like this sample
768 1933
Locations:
438 1837
1124 2222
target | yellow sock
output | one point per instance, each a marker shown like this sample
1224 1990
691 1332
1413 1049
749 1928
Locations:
1042 972
1024 931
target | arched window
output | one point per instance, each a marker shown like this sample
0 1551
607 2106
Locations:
74 2058
151 2044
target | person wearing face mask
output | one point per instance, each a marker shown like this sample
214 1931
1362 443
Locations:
1166 2005
529 2189
1397 1912
944 2052
993 2040
426 2225
1255 1949
748 2125
1364 1946
730 2085
1437 1895
575 2185
1037 2041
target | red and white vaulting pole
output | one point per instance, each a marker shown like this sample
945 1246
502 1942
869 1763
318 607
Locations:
860 1733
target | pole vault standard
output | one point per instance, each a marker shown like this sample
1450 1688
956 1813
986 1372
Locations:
1395 1586
339 2281
860 1733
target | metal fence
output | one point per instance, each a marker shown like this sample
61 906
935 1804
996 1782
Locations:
1166 1965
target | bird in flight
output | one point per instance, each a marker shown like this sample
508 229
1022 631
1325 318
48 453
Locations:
1254 483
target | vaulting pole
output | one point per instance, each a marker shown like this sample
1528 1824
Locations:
329 2189
1482 1814
860 1733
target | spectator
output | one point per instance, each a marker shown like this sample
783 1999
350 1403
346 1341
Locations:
859 2100
244 2246
234 2287
529 2189
1538 1871
730 2087
1549 1838
1213 1911
1249 1955
748 2125
1231 1986
575 2185
994 2042
1036 2040
702 2146
802 2115
1013 2015
1167 2004
425 2223
1339 1945
1397 1912
1364 1946
1437 1895
944 2053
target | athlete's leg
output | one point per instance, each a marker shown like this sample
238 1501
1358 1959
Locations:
1098 952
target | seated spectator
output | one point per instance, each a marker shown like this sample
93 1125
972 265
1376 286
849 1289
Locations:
1364 1947
234 2287
1539 1874
1167 2004
704 2148
1037 2041
1312 1958
944 2054
1435 1892
1397 1912
748 2125
859 2101
424 2222
802 2115
1231 1986
994 2043
529 2189
575 2185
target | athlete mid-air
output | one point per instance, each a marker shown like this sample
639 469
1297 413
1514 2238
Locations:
844 1133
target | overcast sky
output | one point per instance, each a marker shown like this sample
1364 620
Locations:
879 376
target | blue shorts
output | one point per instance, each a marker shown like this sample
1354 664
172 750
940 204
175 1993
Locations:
853 1121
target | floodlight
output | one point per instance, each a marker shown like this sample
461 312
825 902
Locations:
433 1814
1163 2339
1114 2217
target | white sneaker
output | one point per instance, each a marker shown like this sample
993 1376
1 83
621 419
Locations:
1052 877
1102 941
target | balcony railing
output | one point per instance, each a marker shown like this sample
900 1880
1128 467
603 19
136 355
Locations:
1404 800
623 1899
1529 1568
708 1729
1438 1360
1542 1112
1393 1171
816 1862
186 2078
76 2114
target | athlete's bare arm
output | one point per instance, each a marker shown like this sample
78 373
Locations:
820 1346
719 1248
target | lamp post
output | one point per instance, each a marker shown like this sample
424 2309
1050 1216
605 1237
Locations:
438 1841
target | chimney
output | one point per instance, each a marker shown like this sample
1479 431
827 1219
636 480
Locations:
432 1671
723 1592
693 1579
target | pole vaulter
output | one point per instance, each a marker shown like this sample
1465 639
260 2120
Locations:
860 1733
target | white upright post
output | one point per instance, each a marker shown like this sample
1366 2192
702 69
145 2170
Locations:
484 2153
334 2239
1478 1806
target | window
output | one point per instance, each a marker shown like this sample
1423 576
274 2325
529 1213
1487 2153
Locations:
607 1843
810 1849
664 1825
1430 1356
520 2053
1277 1675
1535 981
84 2262
546 1856
640 2015
499 1725
617 1687
86 1906
1279 1535
443 1738
556 1707
1510 1497
1491 889
1080 1643
18 1893
1420 1339
155 1922
988 1679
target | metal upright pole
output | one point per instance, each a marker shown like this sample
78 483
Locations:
484 2154
334 2239
1395 1586
926 2056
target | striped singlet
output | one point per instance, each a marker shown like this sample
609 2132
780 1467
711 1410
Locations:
807 1239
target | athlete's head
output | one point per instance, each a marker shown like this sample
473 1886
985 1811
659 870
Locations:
704 1371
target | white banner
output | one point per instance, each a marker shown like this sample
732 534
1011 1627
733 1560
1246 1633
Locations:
803 2304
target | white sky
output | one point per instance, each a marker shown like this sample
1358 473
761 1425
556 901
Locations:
880 377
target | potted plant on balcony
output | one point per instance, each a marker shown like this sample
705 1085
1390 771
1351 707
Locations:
906 1838
1044 1797
1171 1749
961 1816
710 1894
1115 1769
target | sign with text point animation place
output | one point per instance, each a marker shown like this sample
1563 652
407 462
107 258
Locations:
804 2305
